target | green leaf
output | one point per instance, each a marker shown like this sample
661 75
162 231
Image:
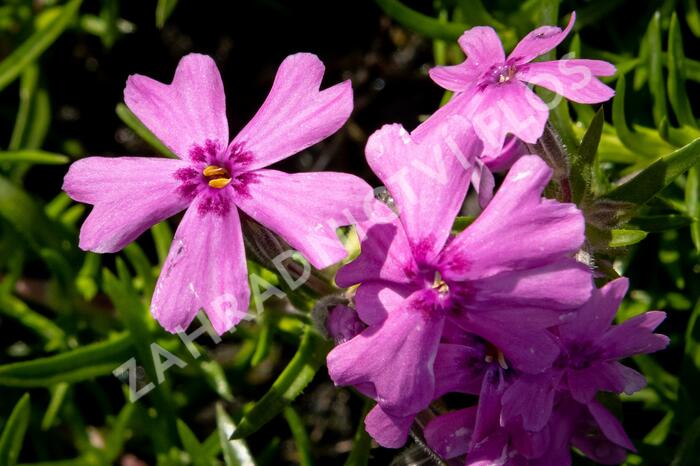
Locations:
291 382
216 378
33 156
421 23
144 133
192 446
301 437
34 113
692 16
45 328
461 223
162 237
676 76
635 141
581 173
142 266
659 434
83 363
36 44
650 181
656 223
692 203
236 452
24 214
58 394
118 433
622 238
656 78
361 442
163 11
13 433
264 341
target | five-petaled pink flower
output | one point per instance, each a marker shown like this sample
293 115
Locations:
213 179
491 89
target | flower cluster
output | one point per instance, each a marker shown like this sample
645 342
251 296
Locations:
501 309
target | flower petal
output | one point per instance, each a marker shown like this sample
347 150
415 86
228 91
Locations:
385 255
455 78
592 319
540 41
396 357
438 168
305 209
517 230
510 108
527 347
584 384
635 336
450 434
374 299
389 431
610 426
130 195
187 112
458 369
483 47
574 79
562 285
532 397
206 269
295 114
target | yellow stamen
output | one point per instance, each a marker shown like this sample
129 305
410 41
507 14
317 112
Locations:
214 171
219 182
440 285
218 176
502 360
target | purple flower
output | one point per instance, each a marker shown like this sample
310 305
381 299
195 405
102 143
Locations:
589 359
213 179
491 89
477 433
506 278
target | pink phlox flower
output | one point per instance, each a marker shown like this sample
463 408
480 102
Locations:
213 179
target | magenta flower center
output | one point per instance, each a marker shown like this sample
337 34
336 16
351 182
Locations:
498 75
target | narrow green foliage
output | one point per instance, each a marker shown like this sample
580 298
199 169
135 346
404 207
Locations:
13 432
301 437
676 76
291 382
236 452
656 79
36 44
164 9
83 363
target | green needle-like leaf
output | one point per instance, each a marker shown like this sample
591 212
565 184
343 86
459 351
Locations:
301 437
164 9
361 443
236 452
295 377
676 76
33 156
84 363
656 79
581 172
421 23
650 181
36 44
13 433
